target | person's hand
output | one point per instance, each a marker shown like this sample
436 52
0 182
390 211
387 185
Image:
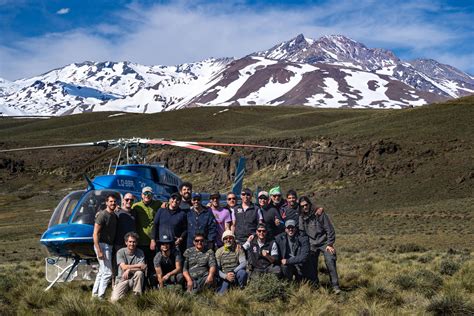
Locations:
142 266
209 280
189 285
230 276
125 275
264 253
250 238
166 277
283 261
319 211
100 254
152 245
277 222
178 241
330 249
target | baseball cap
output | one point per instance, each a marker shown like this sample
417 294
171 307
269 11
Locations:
147 189
263 193
290 222
247 191
176 195
215 195
165 239
227 233
196 195
275 191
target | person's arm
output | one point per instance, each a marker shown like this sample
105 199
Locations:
159 276
212 224
259 216
95 236
186 275
273 255
242 261
183 227
329 228
212 267
155 230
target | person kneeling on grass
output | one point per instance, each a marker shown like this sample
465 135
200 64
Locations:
168 263
231 263
131 264
199 265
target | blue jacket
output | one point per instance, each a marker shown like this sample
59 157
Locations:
170 223
203 222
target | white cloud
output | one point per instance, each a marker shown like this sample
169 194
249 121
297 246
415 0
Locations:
63 11
176 33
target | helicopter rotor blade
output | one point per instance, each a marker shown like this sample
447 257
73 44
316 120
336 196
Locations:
104 144
273 147
188 145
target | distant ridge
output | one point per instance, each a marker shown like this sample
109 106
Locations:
332 71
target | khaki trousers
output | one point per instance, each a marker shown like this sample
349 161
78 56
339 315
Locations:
135 283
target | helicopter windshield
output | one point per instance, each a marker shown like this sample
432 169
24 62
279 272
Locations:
63 211
93 202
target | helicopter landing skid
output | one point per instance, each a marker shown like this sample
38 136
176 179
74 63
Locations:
69 269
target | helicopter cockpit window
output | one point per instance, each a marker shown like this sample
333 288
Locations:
63 211
92 203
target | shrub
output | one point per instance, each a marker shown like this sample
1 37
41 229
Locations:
424 281
410 247
266 287
449 267
450 305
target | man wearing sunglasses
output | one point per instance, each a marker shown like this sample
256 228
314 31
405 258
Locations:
293 249
271 216
199 267
322 236
145 212
222 216
232 207
262 254
200 219
247 217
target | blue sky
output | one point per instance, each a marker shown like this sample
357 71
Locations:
37 36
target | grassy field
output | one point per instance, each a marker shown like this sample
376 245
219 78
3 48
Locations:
403 208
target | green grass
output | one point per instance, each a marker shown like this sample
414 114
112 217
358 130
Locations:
403 209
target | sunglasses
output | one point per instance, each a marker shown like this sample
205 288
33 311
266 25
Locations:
291 227
231 199
198 241
147 194
196 199
129 200
245 194
261 231
262 197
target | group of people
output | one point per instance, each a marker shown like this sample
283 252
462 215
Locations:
154 244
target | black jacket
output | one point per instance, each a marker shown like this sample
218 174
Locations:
302 248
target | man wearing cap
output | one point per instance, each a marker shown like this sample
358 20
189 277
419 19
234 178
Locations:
322 236
231 264
145 212
171 221
290 209
262 254
293 249
247 217
186 191
168 263
199 267
131 263
200 219
271 216
222 216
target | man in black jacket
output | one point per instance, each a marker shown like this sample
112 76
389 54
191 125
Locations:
293 249
247 217
322 237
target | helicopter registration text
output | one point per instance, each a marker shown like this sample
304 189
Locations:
125 183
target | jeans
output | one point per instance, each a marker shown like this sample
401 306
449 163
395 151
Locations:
240 280
105 270
330 260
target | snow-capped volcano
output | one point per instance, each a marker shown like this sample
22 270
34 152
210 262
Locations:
333 71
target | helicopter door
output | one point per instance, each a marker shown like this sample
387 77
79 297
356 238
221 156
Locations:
92 203
63 211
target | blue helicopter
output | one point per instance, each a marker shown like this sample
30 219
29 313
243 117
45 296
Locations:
70 229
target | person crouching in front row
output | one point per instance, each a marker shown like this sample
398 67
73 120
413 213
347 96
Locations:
131 264
199 267
168 263
231 263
